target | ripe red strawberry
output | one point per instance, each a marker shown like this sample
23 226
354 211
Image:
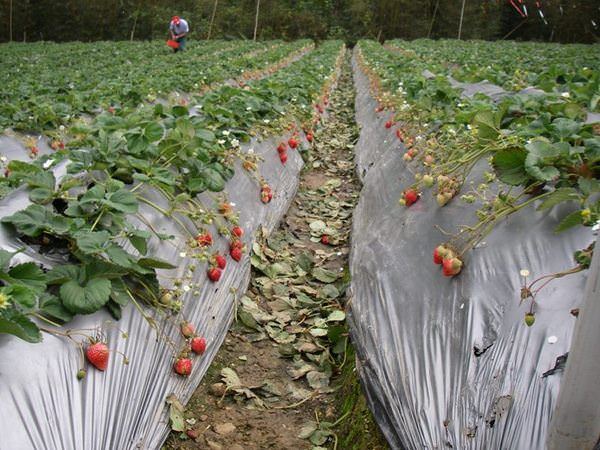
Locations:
236 253
292 142
283 158
198 345
214 274
220 261
399 135
111 109
187 329
325 239
97 355
451 266
282 147
389 124
266 193
191 433
410 196
439 253
236 243
204 239
34 150
309 137
320 109
237 231
183 366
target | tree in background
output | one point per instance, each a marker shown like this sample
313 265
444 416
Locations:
563 21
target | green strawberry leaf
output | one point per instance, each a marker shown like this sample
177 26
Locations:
155 263
570 221
559 196
5 258
63 273
92 242
118 256
51 306
30 275
35 219
87 298
487 128
25 297
41 195
153 132
139 239
119 293
19 325
123 201
510 166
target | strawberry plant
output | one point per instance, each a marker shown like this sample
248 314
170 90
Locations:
112 159
540 149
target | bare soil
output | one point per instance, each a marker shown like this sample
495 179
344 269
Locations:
273 398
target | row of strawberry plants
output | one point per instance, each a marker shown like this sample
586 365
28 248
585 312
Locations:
571 71
49 90
113 161
541 153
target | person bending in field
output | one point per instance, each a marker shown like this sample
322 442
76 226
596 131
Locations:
179 30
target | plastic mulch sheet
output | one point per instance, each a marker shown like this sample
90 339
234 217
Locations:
450 363
44 406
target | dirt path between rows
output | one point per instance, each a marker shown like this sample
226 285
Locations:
285 378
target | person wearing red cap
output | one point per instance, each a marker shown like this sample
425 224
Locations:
179 29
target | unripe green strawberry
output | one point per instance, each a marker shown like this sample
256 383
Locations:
428 180
529 319
441 199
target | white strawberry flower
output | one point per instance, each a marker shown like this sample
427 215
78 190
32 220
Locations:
182 254
565 94
251 151
186 288
249 108
3 158
524 272
235 142
266 121
226 133
221 141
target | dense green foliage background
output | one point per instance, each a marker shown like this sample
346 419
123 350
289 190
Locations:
67 20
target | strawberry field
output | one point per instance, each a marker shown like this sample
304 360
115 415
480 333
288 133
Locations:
140 188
